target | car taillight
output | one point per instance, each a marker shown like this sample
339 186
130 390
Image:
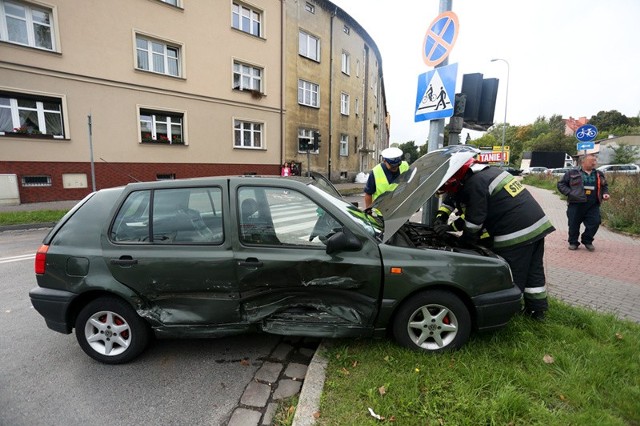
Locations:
41 259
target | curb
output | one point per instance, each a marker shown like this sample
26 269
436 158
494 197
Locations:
25 226
309 400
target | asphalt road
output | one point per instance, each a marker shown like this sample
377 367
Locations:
46 379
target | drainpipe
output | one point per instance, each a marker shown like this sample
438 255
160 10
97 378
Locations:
331 92
283 150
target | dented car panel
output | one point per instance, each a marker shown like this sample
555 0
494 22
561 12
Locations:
218 256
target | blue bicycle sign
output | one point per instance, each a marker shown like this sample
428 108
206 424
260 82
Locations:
586 133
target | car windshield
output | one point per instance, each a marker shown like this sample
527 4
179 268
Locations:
370 224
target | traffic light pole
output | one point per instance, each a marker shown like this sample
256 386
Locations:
436 137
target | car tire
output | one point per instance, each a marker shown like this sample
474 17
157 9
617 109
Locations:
110 331
432 321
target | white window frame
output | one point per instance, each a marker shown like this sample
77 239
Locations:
309 7
14 109
308 93
30 22
346 63
307 134
248 129
346 30
344 145
173 137
309 46
247 76
344 103
246 19
176 3
171 54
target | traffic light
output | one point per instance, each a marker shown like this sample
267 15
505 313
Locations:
316 141
480 100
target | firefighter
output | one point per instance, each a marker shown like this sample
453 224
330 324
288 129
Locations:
384 174
493 200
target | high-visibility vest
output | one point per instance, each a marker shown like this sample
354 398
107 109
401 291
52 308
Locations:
382 184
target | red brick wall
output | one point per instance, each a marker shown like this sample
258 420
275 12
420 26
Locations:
114 174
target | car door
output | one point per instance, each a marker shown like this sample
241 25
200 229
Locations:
287 280
171 246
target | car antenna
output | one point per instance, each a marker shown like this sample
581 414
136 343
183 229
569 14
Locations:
118 171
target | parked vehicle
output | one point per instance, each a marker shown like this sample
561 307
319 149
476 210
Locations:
217 256
534 170
559 171
629 169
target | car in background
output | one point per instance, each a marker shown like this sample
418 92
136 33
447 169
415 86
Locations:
628 169
560 171
217 256
533 170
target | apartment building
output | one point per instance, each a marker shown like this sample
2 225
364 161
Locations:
163 89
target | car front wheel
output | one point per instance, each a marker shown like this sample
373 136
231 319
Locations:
110 331
432 321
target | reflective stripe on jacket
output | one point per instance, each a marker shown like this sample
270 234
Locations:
382 184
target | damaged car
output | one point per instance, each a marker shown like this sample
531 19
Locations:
217 256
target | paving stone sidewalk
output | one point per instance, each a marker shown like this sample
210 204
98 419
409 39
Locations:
607 280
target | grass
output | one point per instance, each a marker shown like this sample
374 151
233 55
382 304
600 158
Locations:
577 368
26 217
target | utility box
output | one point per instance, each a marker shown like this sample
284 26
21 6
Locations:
9 194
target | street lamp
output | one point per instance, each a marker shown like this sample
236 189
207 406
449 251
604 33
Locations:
506 98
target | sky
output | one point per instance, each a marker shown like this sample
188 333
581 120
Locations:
568 57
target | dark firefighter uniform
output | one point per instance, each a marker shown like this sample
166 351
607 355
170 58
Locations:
493 200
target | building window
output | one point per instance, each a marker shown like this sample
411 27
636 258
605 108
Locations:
26 24
161 127
31 115
344 145
346 63
247 77
346 30
305 140
309 46
357 107
310 8
247 134
308 94
157 56
36 180
245 19
175 3
165 176
344 103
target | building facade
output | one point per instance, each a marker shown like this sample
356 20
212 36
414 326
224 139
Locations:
155 89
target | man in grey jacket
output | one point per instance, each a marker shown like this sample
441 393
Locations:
585 189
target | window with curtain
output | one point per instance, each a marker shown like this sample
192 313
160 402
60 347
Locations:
247 134
161 127
308 93
344 145
246 77
157 56
344 103
247 19
309 46
26 24
31 115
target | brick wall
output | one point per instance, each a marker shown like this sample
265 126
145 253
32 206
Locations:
114 174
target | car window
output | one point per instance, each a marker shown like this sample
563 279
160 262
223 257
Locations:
276 216
179 216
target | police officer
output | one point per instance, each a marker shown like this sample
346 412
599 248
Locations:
384 174
492 199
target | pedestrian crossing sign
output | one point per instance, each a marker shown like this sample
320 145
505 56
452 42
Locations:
436 93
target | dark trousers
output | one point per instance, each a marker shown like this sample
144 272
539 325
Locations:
587 213
527 267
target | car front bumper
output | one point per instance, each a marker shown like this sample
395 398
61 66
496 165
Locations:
53 305
494 310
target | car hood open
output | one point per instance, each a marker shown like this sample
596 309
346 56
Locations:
425 176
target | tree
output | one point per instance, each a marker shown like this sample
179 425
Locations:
606 121
410 151
624 154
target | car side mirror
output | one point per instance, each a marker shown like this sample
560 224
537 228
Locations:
343 240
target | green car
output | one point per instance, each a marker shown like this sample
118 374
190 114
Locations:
217 256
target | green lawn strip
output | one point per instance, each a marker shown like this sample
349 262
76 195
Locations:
36 216
579 367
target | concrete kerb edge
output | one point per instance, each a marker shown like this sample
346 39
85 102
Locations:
309 400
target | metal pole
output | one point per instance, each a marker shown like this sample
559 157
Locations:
93 169
436 137
506 98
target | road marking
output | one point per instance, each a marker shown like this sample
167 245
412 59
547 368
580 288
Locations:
17 258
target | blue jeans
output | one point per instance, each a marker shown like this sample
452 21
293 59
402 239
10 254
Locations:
589 215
